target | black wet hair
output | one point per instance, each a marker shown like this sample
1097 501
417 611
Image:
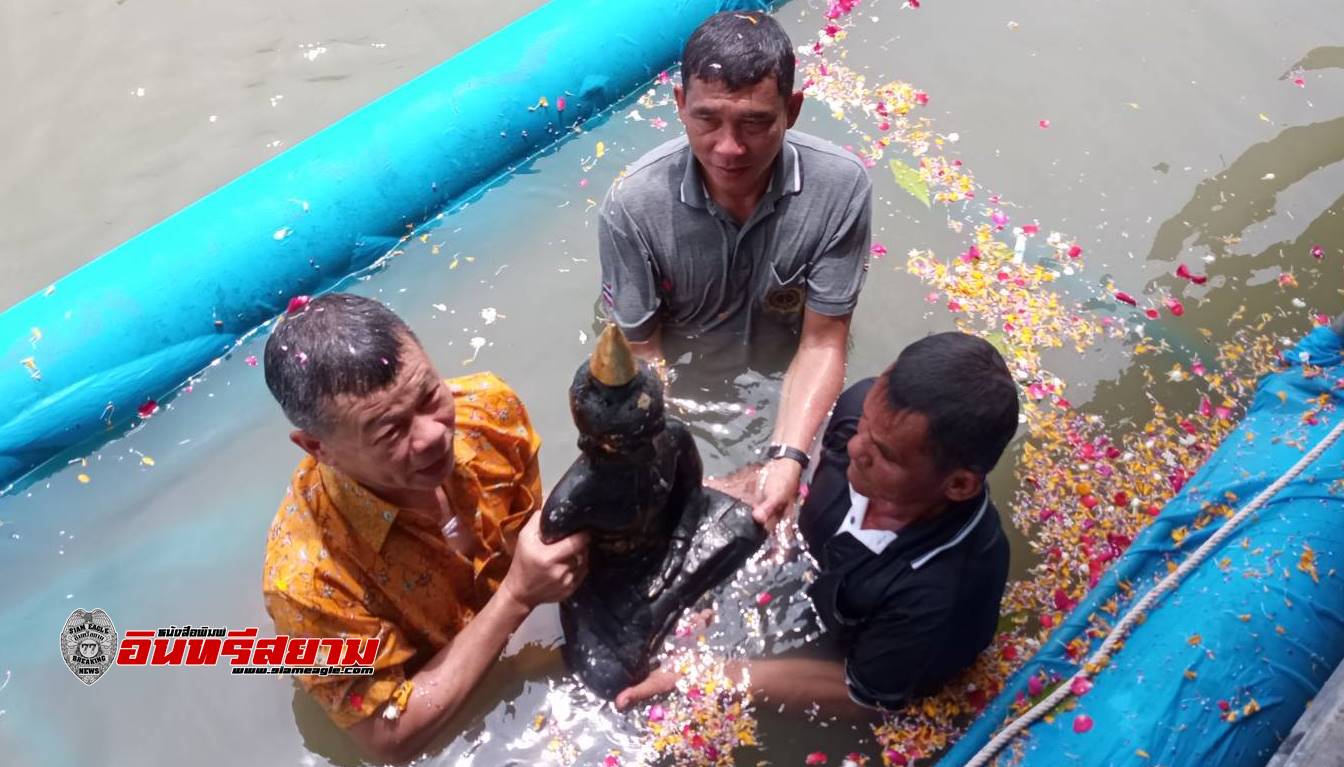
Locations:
338 344
961 384
739 49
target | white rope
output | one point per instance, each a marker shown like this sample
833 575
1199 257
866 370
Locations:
1140 608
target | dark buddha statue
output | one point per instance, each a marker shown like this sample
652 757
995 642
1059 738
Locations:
659 539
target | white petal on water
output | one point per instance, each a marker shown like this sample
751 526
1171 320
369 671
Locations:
583 337
441 307
490 315
282 233
476 344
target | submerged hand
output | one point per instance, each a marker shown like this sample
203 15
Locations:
778 483
658 683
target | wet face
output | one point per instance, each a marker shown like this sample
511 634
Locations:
395 440
736 134
891 460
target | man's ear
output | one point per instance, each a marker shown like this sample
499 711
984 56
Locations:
307 443
962 484
795 107
679 94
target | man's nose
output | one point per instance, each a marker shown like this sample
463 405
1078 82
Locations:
728 144
857 453
427 434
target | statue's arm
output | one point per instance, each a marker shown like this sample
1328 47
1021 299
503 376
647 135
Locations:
562 514
686 499
690 473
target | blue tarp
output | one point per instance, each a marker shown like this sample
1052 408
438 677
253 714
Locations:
78 360
1254 623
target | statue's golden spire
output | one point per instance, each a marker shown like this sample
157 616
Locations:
612 362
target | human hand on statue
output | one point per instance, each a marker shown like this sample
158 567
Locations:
777 489
658 683
542 572
742 484
770 489
661 682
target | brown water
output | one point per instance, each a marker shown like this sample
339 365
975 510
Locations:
1156 148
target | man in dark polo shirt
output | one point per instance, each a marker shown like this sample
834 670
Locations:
913 560
743 232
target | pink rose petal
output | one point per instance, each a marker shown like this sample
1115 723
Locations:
1080 686
1184 273
1082 723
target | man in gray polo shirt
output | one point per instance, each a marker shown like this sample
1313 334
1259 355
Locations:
743 229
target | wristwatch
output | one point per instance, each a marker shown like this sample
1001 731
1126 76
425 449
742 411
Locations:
775 452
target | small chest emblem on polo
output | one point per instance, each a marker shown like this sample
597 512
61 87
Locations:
785 300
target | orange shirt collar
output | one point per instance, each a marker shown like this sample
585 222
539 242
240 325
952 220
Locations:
369 516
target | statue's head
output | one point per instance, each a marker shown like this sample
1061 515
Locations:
617 401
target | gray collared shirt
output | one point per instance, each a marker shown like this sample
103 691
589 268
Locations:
672 258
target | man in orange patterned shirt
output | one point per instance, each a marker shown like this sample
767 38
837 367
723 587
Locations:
409 519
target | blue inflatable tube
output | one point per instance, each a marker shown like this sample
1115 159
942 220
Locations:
1222 667
80 358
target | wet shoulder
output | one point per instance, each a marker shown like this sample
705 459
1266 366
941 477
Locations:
485 400
828 162
492 419
654 175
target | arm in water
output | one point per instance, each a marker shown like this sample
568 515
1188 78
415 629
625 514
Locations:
813 381
540 573
795 683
